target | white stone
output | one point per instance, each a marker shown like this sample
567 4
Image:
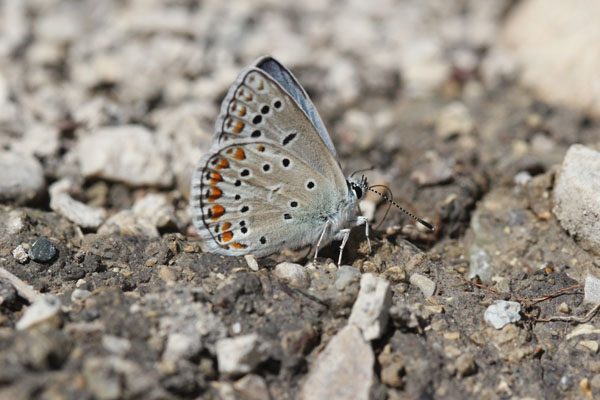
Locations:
344 370
592 289
127 223
182 346
156 209
454 119
43 309
370 310
239 355
546 38
129 154
294 274
20 254
577 196
115 344
80 294
21 177
426 285
251 261
502 313
75 211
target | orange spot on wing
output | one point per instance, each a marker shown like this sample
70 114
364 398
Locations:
215 178
242 111
226 226
217 212
261 86
215 193
239 154
261 148
237 245
249 97
227 236
223 163
237 128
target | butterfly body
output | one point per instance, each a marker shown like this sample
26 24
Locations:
271 179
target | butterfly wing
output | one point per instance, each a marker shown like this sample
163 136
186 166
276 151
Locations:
271 179
258 197
266 102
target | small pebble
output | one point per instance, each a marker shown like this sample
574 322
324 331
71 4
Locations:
43 250
294 274
20 254
426 285
502 313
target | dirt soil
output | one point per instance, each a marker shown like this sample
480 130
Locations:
485 184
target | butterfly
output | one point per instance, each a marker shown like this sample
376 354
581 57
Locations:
271 179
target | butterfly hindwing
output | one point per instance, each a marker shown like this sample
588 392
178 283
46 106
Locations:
257 197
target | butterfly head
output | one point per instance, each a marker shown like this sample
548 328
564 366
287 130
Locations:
357 188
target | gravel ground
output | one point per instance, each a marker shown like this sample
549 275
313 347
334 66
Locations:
106 292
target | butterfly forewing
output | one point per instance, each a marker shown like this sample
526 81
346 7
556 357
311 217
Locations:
258 107
258 197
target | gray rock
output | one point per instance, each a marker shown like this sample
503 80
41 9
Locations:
21 178
502 313
481 263
128 154
426 285
75 211
344 370
346 275
43 250
239 355
577 196
8 293
370 310
45 309
294 274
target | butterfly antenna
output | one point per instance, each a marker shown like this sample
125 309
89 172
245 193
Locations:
419 220
387 190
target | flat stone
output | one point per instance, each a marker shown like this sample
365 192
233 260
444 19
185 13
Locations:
125 222
294 274
344 370
46 308
370 310
592 289
42 250
252 387
502 313
21 178
577 196
426 285
128 154
239 355
346 275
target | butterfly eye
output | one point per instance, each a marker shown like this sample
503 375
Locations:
358 191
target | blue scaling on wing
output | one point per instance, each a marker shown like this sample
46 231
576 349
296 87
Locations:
287 81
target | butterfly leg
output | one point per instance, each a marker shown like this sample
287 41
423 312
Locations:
346 234
364 220
321 239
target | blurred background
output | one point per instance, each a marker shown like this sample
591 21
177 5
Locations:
390 78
